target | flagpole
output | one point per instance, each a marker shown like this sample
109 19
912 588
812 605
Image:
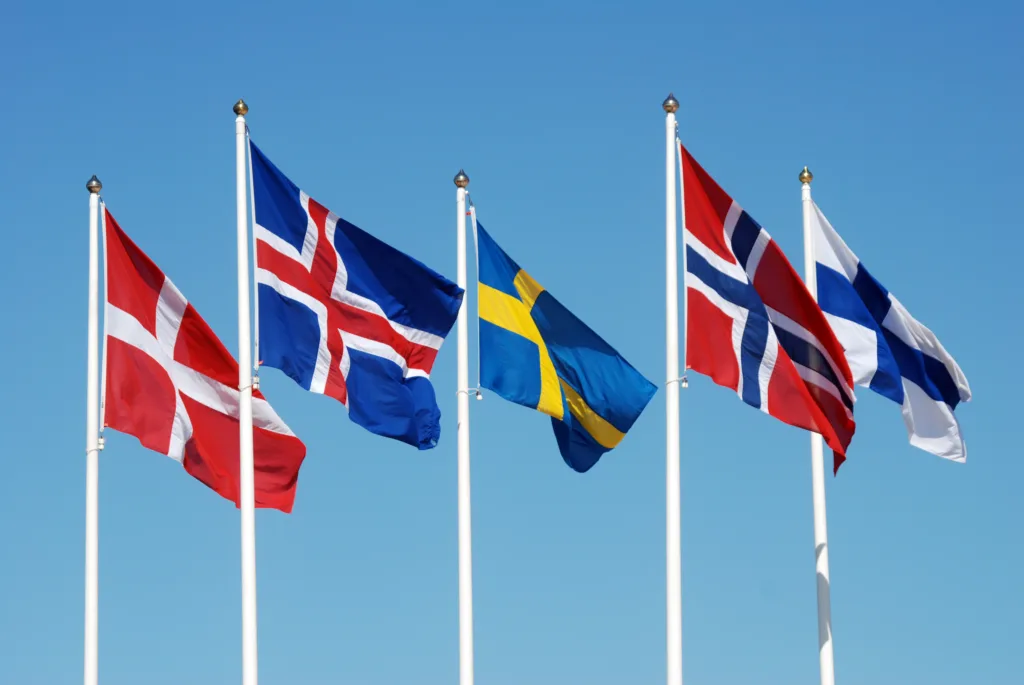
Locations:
92 444
673 554
246 491
825 659
465 528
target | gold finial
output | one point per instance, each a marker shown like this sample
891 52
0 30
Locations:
806 176
671 105
241 109
461 180
93 185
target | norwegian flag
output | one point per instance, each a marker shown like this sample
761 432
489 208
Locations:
752 325
172 384
346 315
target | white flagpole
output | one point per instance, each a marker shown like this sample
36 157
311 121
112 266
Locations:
247 486
673 554
465 528
92 444
825 661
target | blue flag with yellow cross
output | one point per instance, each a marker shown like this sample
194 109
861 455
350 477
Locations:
535 352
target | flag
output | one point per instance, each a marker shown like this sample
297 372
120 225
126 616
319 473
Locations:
173 385
888 350
752 325
346 315
535 352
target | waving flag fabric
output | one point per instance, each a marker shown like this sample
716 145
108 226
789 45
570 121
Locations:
752 324
346 315
171 383
889 350
535 352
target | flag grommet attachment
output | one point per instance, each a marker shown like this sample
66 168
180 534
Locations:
93 185
670 105
806 176
240 108
461 180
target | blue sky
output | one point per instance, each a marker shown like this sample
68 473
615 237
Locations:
910 121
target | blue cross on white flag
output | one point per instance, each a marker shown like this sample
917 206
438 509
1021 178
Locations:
888 350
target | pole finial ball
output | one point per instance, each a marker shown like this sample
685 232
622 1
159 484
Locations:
461 180
671 105
93 185
806 176
241 109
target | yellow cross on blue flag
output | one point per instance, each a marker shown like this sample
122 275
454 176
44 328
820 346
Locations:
535 352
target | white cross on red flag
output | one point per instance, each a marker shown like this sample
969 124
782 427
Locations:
171 383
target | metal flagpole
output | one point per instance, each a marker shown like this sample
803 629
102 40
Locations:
826 664
674 600
92 444
465 528
246 475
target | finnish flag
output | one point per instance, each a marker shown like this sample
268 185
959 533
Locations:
889 350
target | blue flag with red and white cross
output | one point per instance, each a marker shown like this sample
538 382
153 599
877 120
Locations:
346 315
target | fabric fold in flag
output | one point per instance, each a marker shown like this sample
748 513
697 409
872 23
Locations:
172 384
889 351
752 324
345 314
535 352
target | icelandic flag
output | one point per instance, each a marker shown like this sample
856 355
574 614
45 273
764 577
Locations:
346 315
752 325
888 350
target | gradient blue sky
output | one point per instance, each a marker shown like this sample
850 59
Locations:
909 116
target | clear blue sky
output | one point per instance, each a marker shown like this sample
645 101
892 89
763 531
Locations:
908 116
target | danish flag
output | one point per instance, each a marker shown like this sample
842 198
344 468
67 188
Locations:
172 384
752 325
346 315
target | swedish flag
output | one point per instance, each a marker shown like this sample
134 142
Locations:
535 352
